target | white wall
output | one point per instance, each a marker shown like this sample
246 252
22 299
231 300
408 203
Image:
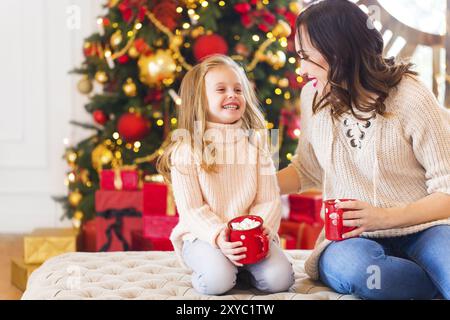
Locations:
41 42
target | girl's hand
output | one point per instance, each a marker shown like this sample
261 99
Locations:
364 217
232 250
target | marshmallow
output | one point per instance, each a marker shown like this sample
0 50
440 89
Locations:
245 224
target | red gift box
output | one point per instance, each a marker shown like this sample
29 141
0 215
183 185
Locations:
305 234
141 243
107 180
117 214
89 236
159 226
306 207
288 242
119 179
157 200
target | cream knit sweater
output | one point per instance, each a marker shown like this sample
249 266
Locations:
389 162
244 183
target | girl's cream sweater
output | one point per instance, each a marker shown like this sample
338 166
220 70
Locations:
244 183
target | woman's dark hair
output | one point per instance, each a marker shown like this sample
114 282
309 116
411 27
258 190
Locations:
353 49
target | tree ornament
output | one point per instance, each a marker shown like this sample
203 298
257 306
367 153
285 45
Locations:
130 88
133 52
116 39
101 156
85 85
77 219
207 45
101 77
100 117
132 127
155 68
75 198
282 29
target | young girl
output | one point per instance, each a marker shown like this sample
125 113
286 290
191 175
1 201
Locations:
372 131
218 172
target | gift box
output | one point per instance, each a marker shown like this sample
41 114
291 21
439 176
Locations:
305 234
123 178
89 236
288 242
158 226
141 243
306 207
158 200
117 214
43 244
20 272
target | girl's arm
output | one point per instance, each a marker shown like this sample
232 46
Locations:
200 219
288 180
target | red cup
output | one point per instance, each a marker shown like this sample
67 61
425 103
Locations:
254 239
334 228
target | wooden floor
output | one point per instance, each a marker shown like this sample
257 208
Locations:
10 246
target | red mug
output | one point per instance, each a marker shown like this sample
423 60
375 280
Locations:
254 239
334 228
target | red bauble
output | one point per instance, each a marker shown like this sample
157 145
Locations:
100 117
123 59
209 44
132 127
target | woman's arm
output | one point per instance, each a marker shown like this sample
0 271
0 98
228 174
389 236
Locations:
367 218
433 207
288 180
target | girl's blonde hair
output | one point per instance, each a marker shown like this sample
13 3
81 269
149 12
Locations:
194 107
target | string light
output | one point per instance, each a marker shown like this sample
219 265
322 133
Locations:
291 60
186 25
119 142
289 156
116 135
297 132
118 154
71 177
269 35
138 26
128 145
137 144
255 38
287 95
299 79
205 4
173 121
268 101
278 91
221 3
159 123
179 10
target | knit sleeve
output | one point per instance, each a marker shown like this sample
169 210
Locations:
427 126
304 161
201 221
267 203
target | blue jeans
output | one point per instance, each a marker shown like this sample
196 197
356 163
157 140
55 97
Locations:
415 266
214 274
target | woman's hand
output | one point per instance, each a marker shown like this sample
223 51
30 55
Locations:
364 217
232 250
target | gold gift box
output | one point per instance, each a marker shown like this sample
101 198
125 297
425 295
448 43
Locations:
43 244
20 272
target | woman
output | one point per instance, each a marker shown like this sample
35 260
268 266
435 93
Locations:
372 131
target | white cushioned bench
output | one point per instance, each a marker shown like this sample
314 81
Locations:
148 275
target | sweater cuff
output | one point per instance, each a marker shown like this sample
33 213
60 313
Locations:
215 233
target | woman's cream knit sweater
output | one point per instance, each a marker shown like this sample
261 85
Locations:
389 161
244 183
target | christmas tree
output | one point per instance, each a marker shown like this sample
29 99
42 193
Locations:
134 65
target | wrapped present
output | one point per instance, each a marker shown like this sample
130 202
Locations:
306 207
288 242
43 244
113 228
305 234
158 200
117 214
89 236
20 272
141 243
120 178
159 226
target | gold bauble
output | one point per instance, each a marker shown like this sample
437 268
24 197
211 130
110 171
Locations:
75 198
133 52
116 39
101 77
84 85
130 88
282 29
101 156
155 68
295 8
77 218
